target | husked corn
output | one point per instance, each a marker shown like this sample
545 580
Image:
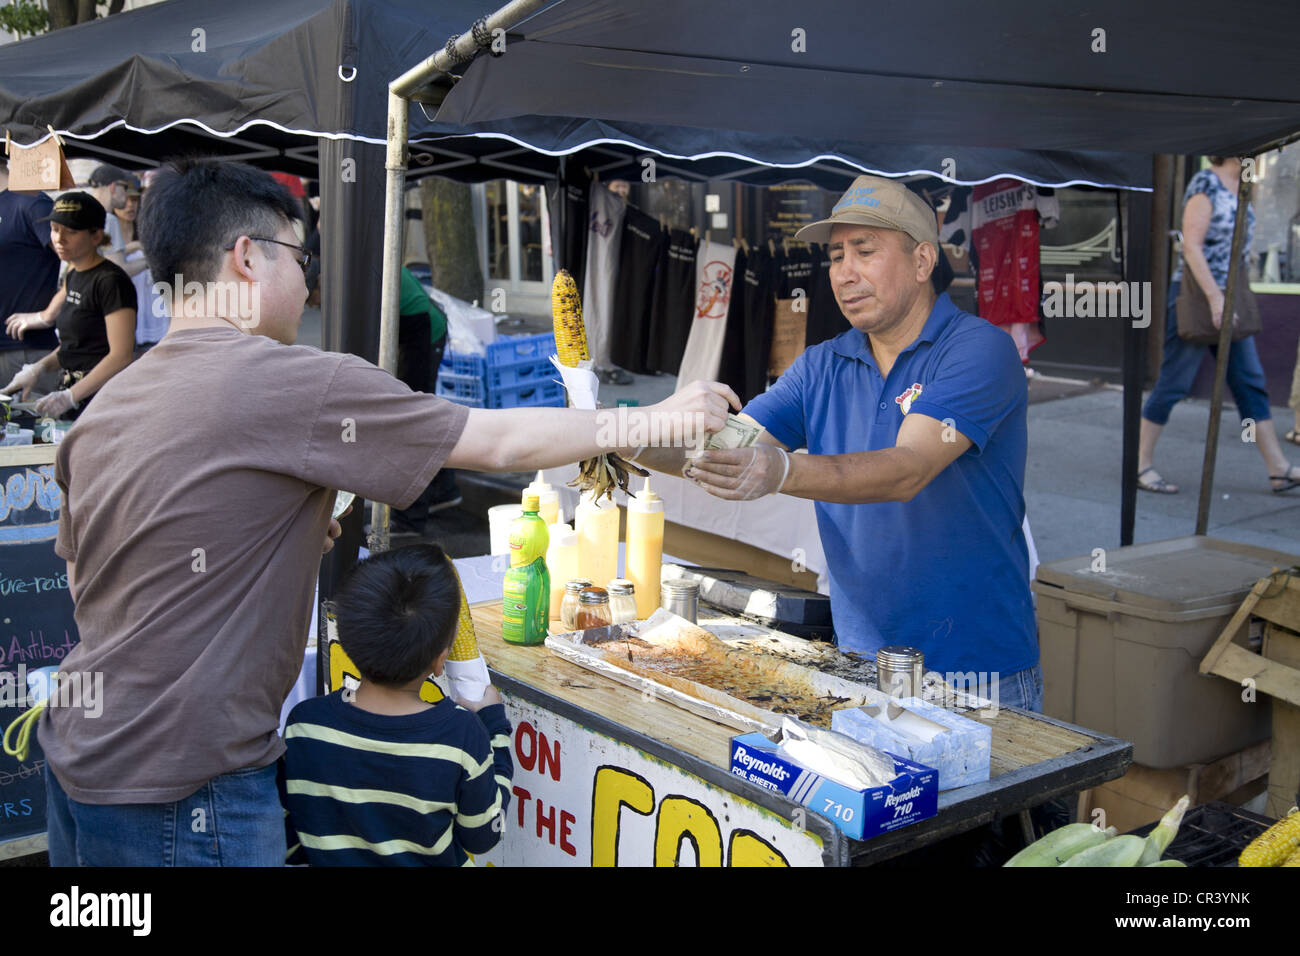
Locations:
1274 845
566 317
465 646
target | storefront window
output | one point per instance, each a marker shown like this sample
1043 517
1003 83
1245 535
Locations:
1275 252
498 229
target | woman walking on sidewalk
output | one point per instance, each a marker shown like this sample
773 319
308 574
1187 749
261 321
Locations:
1209 211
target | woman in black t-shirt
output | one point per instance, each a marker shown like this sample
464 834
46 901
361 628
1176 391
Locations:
97 320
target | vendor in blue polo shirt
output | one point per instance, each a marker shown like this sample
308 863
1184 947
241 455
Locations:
915 426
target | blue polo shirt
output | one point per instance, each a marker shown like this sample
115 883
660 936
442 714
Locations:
948 571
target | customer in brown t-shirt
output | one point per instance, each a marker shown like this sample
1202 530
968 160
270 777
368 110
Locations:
197 496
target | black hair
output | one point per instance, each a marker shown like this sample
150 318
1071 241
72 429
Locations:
196 207
397 612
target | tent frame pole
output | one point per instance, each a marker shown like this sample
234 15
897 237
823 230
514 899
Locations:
400 90
1225 344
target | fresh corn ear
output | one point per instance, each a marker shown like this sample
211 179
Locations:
1158 840
1274 845
566 316
465 646
1121 851
1061 844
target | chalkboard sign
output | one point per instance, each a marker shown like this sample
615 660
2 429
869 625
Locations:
36 625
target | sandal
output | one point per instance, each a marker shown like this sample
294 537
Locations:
1291 482
1293 436
1156 484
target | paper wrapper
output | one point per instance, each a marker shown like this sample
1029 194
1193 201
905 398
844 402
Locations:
581 384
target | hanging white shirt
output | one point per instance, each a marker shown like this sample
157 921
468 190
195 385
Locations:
714 264
604 236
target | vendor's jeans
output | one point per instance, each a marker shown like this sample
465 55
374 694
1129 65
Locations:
1023 689
232 820
1182 360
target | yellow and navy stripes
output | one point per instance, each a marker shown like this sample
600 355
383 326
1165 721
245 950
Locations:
424 789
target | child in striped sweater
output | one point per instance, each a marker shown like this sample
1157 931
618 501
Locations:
379 776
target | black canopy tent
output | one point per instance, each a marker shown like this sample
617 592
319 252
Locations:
749 91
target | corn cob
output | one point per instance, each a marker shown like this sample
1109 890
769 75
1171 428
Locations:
1061 844
1121 851
566 317
465 646
1158 840
1293 859
1274 845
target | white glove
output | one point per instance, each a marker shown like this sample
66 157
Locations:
26 380
56 404
740 474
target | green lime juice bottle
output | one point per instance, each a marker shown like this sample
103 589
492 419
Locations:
526 596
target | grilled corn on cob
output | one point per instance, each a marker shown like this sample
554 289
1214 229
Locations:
1274 845
566 318
465 646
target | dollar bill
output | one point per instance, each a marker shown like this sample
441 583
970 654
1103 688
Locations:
735 434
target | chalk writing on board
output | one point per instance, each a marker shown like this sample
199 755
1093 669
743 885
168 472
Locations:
35 648
35 584
24 771
32 486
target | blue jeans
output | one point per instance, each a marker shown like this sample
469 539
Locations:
1023 689
232 820
1182 360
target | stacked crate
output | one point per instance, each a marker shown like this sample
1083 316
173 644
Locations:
514 372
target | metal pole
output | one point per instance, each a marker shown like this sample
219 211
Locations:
399 91
394 220
1225 343
1136 233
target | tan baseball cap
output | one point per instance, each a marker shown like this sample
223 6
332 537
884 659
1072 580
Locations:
875 201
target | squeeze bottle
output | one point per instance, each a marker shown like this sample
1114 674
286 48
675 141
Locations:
597 524
548 499
561 562
645 548
526 594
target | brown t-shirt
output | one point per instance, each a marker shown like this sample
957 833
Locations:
197 491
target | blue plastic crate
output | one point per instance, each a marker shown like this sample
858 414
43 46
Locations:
454 363
513 350
465 389
520 373
538 394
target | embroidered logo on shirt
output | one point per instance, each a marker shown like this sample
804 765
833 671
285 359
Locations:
904 401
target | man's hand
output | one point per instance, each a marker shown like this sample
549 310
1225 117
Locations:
20 323
740 474
690 415
56 404
335 529
25 379
490 696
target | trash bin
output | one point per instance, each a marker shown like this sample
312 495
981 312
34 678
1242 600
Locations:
1122 633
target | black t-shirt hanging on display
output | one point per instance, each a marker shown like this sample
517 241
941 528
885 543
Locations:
92 294
794 275
640 256
674 305
567 207
825 320
749 325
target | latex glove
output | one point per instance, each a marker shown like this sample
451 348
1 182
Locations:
56 404
740 474
25 379
20 323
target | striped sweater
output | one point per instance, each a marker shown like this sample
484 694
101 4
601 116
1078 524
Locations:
364 789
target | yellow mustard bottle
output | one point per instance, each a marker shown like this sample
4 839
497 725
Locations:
548 499
597 524
561 562
645 548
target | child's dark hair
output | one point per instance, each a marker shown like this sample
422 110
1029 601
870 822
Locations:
397 612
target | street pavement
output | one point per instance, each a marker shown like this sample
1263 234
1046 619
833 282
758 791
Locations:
1072 479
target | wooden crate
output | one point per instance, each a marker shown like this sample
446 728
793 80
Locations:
1143 794
1274 671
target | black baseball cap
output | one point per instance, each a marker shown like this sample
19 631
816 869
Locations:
108 174
77 210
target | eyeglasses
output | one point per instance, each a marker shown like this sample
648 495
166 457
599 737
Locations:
303 257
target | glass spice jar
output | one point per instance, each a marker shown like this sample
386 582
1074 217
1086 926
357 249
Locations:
593 609
569 606
622 601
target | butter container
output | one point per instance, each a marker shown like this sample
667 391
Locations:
861 814
956 746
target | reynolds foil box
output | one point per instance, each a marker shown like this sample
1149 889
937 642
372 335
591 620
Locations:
911 796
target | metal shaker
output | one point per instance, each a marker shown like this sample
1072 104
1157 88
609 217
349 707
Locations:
899 670
681 597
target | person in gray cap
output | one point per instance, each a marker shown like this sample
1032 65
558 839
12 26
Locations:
915 425
96 321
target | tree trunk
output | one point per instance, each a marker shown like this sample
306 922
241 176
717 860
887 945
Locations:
63 13
450 238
